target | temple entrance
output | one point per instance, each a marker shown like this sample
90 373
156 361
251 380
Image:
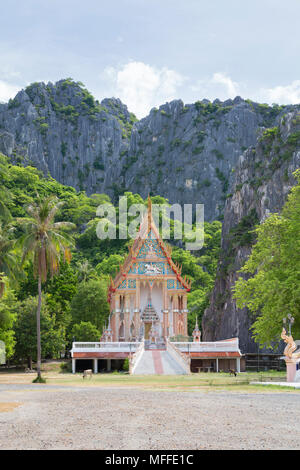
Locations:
147 329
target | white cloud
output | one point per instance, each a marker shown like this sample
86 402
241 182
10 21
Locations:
7 91
230 87
142 86
219 85
289 94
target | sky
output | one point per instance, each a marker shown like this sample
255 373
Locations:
148 52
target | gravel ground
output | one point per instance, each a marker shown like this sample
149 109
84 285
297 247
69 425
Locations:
53 417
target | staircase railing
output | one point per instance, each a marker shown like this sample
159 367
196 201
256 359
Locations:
181 358
136 356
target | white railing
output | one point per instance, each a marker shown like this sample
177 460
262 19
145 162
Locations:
106 346
179 357
220 346
135 358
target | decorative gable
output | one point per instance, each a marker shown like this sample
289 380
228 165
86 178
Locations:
151 248
149 256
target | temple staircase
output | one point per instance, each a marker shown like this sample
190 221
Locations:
160 362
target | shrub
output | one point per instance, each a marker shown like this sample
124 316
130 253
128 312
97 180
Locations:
66 367
126 364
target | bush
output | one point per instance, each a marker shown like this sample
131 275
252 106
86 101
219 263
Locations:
126 365
66 367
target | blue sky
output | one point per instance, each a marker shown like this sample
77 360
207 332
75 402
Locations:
147 52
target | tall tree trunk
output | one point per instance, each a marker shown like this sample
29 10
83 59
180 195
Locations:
38 327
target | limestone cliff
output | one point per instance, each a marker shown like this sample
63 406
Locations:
186 153
263 178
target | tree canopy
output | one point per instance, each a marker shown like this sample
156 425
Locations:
270 286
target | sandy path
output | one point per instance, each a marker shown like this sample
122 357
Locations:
53 417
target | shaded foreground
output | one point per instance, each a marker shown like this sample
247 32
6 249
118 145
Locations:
91 416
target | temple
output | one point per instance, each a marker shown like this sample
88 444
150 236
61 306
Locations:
148 318
148 295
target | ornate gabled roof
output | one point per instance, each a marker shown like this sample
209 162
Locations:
147 230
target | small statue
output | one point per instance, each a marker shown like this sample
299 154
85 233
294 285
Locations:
290 346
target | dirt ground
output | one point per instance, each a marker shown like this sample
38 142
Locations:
36 416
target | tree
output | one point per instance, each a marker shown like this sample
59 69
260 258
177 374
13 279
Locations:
8 310
4 194
8 260
110 265
44 241
52 340
84 271
89 304
273 290
85 331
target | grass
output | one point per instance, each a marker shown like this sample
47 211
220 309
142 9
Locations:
205 382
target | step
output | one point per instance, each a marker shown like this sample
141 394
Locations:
158 362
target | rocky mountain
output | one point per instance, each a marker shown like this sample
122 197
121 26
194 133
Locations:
263 178
236 157
186 153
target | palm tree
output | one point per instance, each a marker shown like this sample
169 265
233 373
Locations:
4 212
44 241
8 260
85 271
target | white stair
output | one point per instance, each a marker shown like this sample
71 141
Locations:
159 362
171 366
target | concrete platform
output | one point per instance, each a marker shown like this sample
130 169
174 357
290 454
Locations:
281 384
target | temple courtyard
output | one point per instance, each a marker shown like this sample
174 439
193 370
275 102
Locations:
118 411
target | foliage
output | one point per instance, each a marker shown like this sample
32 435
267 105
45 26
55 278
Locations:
89 304
8 259
243 233
110 265
273 290
85 331
8 310
52 339
126 364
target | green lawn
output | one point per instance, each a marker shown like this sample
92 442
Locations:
207 381
193 382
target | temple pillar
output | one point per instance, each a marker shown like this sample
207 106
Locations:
73 366
137 304
117 325
185 314
108 365
95 366
136 315
127 317
116 318
238 364
136 320
185 329
175 314
184 301
166 323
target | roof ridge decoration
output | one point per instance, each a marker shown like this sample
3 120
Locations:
146 227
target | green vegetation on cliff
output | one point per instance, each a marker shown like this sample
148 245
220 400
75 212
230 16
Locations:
273 290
